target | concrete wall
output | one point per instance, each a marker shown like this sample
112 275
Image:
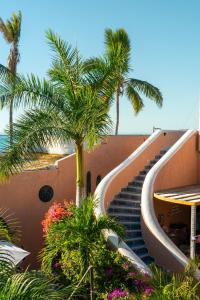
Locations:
20 194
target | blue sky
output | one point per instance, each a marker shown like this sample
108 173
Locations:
165 38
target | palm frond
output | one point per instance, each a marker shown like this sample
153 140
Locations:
134 98
67 64
32 132
147 89
11 29
9 226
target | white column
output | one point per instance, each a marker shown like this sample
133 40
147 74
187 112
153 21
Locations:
193 232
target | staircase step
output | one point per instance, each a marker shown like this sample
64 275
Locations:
129 195
133 233
135 243
125 202
141 251
137 190
125 217
138 183
140 178
148 260
124 210
153 162
131 225
144 172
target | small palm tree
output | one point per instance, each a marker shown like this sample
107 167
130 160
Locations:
116 60
11 32
68 107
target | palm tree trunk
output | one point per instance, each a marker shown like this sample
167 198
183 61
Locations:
80 179
117 112
11 121
12 66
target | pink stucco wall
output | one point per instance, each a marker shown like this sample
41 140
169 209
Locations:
20 194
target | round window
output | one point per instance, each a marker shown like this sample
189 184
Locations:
46 193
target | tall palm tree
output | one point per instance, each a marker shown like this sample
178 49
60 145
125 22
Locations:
68 107
11 32
117 59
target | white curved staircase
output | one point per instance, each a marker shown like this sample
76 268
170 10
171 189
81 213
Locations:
125 206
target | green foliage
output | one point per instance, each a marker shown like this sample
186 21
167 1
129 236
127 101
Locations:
77 240
9 226
116 63
174 286
66 107
27 285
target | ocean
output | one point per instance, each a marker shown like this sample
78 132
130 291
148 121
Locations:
3 142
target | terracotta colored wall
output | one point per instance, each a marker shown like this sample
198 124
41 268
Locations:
20 195
126 175
181 170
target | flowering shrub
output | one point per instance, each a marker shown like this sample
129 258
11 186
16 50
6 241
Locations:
56 212
118 294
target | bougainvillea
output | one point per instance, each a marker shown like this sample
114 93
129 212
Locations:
55 213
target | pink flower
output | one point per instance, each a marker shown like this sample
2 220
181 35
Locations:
148 290
132 274
56 212
126 265
56 265
117 294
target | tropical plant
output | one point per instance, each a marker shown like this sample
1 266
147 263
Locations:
68 107
27 285
11 32
74 241
116 62
9 226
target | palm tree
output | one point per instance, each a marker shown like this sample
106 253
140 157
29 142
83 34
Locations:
68 107
117 60
11 32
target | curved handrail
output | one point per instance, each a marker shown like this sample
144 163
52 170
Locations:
147 207
100 193
106 181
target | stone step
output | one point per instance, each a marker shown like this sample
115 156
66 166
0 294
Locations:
125 202
133 233
124 210
131 225
138 183
136 190
140 178
148 260
163 151
129 195
144 172
141 251
135 243
153 161
125 217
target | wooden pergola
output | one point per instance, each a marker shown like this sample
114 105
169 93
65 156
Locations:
187 195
